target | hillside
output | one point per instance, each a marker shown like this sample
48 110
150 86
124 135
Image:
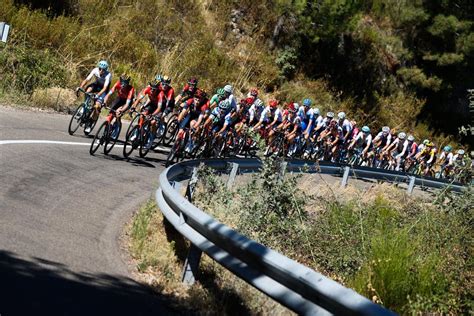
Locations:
407 64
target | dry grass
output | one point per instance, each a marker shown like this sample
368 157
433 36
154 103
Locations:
158 253
58 99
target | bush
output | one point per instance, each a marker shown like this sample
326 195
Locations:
409 254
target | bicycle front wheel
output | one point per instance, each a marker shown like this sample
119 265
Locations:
76 119
113 135
132 141
100 137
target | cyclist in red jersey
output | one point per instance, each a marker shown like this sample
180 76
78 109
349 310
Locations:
153 106
125 94
188 91
168 92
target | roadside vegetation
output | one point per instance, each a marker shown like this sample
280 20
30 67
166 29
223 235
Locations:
405 64
159 252
410 254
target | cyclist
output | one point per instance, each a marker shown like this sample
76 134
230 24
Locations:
188 91
381 143
168 93
153 105
346 126
102 79
427 156
216 98
362 141
408 152
270 118
125 95
394 150
445 160
334 139
255 112
308 117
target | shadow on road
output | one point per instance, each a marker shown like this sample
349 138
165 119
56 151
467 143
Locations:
35 286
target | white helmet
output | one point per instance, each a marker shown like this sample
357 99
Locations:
341 115
386 129
402 136
316 111
258 103
228 88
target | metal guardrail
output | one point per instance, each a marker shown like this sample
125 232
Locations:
294 285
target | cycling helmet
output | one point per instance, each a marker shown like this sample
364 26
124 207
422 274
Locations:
273 104
254 92
166 80
258 103
307 102
460 152
193 81
411 138
224 105
402 136
316 111
220 92
159 78
366 129
249 100
386 129
330 115
291 108
426 141
341 115
103 65
124 79
447 148
155 84
228 88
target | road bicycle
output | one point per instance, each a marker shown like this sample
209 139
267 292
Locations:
139 136
82 116
107 134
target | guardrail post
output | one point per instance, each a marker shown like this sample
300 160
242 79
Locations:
192 185
191 265
345 176
282 172
232 175
411 184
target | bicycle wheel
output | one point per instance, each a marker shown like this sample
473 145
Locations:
76 120
145 134
113 135
100 137
132 141
171 130
132 124
173 155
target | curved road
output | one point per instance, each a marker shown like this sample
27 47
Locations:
61 216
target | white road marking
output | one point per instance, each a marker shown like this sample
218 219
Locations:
54 142
12 142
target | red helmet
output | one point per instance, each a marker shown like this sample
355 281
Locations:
254 92
273 104
250 100
291 107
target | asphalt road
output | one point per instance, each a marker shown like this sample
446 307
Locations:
61 215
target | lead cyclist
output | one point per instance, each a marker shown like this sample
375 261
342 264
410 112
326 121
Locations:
100 86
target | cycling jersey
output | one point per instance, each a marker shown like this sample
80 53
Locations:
400 146
168 95
268 117
362 140
155 97
101 81
384 139
255 112
126 92
446 158
345 125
